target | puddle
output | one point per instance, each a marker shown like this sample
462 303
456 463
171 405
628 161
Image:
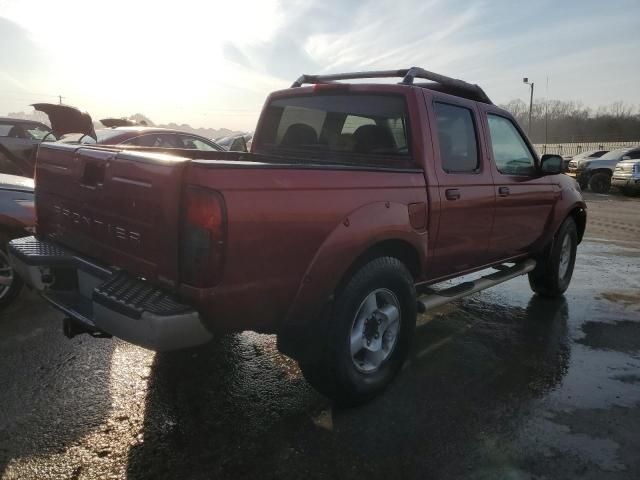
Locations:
623 336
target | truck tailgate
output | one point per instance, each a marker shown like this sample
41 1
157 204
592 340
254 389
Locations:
118 207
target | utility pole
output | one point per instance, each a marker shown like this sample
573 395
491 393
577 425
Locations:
526 80
60 97
546 115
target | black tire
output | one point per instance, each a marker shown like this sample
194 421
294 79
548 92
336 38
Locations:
335 373
8 293
547 278
600 182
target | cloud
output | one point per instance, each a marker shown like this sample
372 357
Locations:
215 61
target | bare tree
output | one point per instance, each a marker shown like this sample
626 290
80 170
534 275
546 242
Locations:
571 121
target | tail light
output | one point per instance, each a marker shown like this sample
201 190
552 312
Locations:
203 237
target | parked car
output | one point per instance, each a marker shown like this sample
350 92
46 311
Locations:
354 198
597 173
626 175
17 219
17 140
141 136
20 138
572 161
236 143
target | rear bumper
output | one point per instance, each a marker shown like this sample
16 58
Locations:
104 300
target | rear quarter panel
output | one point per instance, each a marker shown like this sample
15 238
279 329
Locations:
292 233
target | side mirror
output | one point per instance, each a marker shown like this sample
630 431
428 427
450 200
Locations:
551 164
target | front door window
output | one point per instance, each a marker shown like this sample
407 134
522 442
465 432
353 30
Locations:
510 152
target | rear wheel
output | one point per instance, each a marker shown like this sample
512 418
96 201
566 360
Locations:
600 182
369 333
554 269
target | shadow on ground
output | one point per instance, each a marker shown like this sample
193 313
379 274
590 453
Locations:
238 409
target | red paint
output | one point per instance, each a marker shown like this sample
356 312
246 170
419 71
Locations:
292 232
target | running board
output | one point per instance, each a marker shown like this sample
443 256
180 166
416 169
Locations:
438 298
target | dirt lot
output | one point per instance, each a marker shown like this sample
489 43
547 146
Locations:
501 385
613 218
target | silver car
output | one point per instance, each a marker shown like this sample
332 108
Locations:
626 175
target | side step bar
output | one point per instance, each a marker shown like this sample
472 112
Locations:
437 298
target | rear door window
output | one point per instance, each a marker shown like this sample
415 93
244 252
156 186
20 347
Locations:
346 129
457 139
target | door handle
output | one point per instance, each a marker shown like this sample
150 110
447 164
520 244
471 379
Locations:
452 194
503 191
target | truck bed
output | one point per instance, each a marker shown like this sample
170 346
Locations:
123 208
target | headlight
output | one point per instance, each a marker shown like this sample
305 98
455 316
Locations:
583 165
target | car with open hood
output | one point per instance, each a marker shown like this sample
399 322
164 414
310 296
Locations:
20 138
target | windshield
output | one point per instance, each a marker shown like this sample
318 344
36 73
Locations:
29 131
346 129
102 135
107 134
614 154
37 132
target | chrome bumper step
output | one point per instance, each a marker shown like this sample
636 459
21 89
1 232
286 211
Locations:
436 298
106 302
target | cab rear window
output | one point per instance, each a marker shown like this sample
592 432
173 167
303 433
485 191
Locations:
345 129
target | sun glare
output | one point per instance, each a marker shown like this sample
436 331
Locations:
163 59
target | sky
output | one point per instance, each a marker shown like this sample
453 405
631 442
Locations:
212 63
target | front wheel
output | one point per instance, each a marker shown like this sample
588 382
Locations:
600 183
554 269
369 333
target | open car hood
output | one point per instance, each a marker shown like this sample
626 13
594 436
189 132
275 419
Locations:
117 122
65 119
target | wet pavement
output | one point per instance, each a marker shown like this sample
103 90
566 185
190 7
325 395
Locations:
503 384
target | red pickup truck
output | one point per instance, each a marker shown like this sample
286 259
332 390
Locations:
355 202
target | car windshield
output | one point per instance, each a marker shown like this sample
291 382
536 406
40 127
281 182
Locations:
37 132
29 131
587 154
614 154
102 135
107 134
